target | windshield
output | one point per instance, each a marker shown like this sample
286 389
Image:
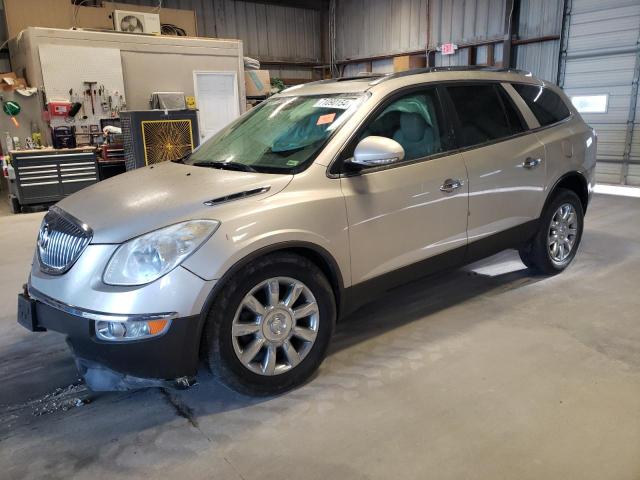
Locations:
281 135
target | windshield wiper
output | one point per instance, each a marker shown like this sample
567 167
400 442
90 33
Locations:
182 159
241 167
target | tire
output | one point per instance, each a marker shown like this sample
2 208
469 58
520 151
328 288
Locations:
539 254
274 368
15 205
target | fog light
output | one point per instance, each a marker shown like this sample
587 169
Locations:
130 330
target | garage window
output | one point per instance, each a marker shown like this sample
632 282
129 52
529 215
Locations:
546 105
590 103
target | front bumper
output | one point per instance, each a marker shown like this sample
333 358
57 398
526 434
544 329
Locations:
168 359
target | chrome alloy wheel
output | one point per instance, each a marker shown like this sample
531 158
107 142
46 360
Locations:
275 326
563 233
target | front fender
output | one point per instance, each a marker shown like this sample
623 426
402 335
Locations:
310 211
221 253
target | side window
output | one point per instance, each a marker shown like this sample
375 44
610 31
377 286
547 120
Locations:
414 121
546 105
481 114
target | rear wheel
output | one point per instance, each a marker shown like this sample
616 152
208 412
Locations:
555 244
270 326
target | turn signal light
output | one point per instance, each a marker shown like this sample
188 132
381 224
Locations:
157 326
130 330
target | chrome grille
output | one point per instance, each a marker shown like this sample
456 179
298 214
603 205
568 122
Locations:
61 241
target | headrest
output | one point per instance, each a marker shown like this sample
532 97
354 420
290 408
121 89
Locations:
413 126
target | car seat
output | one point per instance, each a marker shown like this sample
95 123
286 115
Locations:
415 135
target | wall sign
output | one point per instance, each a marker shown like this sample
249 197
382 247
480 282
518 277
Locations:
448 48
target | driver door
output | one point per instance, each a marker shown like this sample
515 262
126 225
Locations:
411 216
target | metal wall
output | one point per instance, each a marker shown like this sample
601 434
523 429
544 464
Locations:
268 32
465 21
540 18
367 28
371 28
602 57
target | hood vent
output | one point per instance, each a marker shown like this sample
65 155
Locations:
237 196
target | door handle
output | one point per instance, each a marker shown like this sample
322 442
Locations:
450 185
531 162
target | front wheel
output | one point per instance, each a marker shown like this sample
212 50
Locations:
270 325
558 237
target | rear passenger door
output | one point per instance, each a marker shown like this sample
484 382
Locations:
505 164
564 140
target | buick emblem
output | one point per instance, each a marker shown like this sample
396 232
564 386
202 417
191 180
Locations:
44 236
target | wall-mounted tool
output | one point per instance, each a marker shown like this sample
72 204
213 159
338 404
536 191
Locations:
12 109
75 108
102 94
91 91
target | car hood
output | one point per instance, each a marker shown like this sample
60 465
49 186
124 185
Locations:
149 198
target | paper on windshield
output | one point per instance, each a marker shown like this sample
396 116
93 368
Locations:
339 103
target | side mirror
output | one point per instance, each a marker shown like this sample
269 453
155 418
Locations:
375 151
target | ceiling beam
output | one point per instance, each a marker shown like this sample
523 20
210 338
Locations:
308 4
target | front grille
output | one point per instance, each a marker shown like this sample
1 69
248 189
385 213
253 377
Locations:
61 241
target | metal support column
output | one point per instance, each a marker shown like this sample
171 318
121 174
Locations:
511 22
631 119
564 41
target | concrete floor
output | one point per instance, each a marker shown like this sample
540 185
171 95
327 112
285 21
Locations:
483 373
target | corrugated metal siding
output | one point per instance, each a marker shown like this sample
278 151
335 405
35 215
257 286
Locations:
387 27
601 57
460 58
268 32
540 18
466 21
370 28
540 58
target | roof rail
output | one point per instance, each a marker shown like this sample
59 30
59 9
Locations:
467 68
363 76
360 76
377 78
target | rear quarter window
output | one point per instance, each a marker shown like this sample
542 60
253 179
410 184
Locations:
546 105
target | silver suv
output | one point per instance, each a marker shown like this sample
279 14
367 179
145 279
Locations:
246 252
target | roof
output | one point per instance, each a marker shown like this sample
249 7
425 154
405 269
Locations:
369 81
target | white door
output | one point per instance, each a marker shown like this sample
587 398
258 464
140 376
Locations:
217 101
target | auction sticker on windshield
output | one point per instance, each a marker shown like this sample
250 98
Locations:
324 119
339 103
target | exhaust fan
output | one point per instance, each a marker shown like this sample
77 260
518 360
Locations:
136 22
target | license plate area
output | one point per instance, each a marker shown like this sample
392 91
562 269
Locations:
27 314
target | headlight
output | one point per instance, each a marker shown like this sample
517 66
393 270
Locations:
148 257
134 330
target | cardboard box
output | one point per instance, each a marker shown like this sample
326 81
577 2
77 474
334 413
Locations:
9 81
257 83
408 62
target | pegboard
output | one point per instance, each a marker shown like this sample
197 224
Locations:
66 67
